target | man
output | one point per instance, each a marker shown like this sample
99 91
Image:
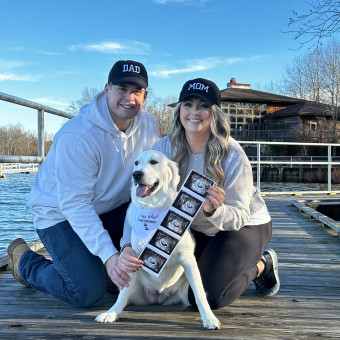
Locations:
82 190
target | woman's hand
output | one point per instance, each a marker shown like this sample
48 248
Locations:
214 199
128 261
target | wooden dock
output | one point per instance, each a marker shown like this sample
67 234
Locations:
306 307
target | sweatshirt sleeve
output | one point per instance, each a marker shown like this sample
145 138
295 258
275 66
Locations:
77 166
234 213
163 145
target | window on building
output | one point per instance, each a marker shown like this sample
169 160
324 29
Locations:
313 126
243 113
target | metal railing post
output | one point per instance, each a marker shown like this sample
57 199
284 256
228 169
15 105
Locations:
41 128
258 167
329 177
41 133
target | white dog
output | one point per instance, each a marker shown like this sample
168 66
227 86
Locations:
155 180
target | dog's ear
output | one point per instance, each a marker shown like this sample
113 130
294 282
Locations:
174 177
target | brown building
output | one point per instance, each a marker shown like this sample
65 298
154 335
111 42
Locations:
263 116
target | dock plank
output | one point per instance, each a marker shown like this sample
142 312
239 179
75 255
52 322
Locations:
306 307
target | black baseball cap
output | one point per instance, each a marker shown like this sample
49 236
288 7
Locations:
128 71
202 88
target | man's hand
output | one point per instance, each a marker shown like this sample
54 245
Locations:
118 276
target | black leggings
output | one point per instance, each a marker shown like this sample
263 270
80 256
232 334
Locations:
227 262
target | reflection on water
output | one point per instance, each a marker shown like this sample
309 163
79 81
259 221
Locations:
280 186
15 220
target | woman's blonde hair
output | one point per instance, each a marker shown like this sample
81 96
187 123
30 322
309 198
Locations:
217 146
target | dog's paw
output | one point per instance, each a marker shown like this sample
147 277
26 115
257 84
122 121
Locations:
107 317
211 322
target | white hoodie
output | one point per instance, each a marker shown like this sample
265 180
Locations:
87 172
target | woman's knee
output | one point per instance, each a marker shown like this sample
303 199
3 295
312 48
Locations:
215 300
220 302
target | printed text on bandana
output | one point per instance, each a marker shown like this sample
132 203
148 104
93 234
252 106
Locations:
146 222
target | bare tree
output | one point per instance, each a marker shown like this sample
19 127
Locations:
321 21
86 96
48 141
331 90
162 112
14 141
277 87
304 78
316 77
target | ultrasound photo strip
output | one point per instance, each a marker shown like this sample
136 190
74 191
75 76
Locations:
187 203
198 183
153 262
163 241
176 222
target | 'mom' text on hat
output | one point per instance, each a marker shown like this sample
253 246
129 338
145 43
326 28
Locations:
199 86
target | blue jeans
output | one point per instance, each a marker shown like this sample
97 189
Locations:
74 275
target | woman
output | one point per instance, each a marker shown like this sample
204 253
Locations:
234 226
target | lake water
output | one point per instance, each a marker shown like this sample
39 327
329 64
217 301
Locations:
16 221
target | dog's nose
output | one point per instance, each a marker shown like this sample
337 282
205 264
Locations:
137 175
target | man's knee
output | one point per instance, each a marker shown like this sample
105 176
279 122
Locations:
88 297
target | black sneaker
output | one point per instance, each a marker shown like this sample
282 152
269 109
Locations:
268 283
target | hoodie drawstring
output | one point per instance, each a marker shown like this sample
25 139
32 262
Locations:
122 149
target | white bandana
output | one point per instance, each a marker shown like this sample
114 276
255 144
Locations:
145 223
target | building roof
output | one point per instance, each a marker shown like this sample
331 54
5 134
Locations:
305 108
248 95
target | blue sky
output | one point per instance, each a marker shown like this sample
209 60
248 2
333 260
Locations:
51 50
